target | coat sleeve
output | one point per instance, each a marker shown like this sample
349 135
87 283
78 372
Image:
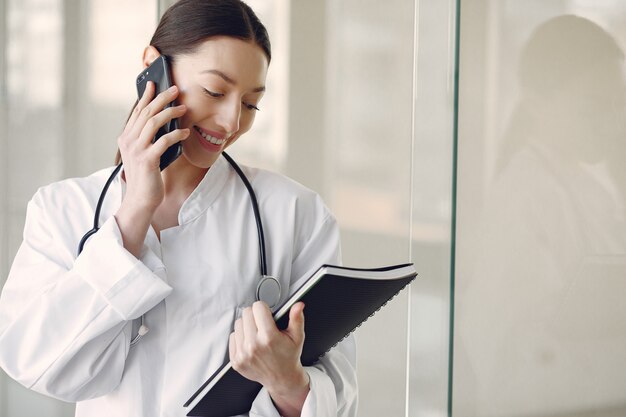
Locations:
333 383
65 326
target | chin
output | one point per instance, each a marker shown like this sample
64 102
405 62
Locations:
204 161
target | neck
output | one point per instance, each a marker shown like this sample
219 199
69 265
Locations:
181 178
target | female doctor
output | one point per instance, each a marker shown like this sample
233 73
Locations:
177 251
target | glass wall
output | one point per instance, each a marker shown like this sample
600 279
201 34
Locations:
541 238
349 137
431 213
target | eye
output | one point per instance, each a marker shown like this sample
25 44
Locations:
250 106
212 94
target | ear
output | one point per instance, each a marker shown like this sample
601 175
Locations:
150 53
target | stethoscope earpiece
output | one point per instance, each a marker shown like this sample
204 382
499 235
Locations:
143 330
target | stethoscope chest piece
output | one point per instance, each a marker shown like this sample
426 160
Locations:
268 291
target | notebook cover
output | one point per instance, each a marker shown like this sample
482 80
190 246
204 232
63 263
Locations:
334 307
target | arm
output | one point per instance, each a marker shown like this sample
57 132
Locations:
64 324
64 328
332 386
333 382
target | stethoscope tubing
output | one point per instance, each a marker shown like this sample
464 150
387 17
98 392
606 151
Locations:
267 281
255 209
96 216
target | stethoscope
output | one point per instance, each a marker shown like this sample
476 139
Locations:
268 288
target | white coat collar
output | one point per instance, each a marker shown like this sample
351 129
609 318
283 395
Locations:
202 196
206 192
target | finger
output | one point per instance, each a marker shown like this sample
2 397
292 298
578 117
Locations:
143 101
159 102
295 329
239 336
263 318
165 141
249 325
154 107
232 347
152 126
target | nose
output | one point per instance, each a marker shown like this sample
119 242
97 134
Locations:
229 115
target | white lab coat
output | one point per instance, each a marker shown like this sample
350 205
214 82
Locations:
66 322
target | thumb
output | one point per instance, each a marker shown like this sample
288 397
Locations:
296 322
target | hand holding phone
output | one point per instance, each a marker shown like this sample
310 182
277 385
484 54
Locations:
159 73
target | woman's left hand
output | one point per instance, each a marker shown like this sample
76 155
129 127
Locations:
261 352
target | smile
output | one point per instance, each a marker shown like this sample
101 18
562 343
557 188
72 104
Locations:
209 138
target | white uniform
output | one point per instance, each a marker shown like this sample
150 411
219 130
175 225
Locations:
66 322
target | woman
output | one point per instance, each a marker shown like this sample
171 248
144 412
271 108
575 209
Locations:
177 251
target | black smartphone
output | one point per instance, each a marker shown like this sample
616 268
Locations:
159 73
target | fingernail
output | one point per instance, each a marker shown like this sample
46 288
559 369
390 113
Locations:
172 88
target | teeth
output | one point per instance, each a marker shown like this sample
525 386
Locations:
209 138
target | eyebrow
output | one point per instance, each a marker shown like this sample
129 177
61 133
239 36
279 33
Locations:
230 80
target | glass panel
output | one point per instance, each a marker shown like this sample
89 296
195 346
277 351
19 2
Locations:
62 107
432 213
368 147
346 116
541 264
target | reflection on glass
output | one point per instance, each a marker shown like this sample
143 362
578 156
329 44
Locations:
540 313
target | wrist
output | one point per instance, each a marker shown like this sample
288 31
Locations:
134 202
295 386
289 398
134 216
133 224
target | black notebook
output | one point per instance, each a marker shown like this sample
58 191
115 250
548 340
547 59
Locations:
337 300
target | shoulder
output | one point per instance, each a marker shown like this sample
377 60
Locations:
291 208
66 208
60 213
72 190
275 190
297 216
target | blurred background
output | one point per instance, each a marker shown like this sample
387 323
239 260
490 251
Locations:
480 139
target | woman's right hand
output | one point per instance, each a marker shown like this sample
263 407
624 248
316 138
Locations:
144 184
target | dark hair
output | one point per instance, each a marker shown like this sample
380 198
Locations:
188 23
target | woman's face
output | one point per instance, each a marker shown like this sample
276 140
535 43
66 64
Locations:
221 84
